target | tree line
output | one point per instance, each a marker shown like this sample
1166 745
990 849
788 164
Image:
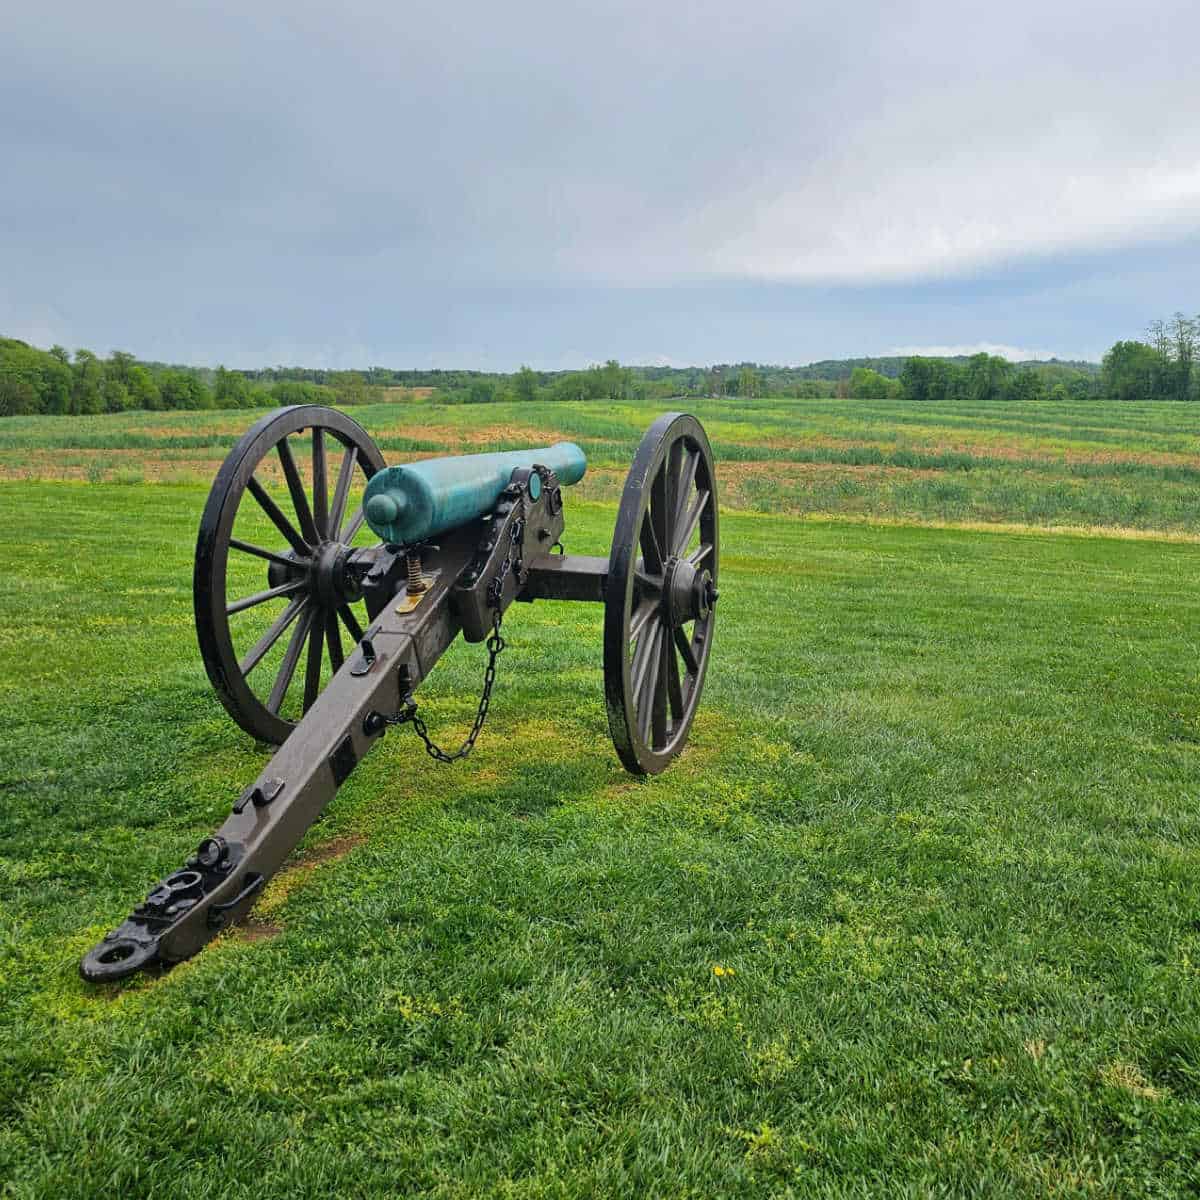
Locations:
1161 367
55 381
987 377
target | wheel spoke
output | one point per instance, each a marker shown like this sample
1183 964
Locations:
684 645
259 552
341 491
649 684
296 488
351 622
658 704
637 623
284 589
347 534
333 638
312 669
643 656
268 639
320 484
272 510
658 511
687 478
650 550
671 472
291 656
674 690
691 521
700 553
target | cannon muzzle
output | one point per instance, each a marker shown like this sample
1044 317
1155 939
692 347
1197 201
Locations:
408 504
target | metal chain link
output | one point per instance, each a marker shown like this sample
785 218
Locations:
495 645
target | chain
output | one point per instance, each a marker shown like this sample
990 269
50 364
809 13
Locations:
408 714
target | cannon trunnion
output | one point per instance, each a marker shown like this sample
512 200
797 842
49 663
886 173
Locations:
369 619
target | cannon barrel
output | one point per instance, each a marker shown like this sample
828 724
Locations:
408 504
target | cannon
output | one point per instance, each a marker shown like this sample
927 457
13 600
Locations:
311 548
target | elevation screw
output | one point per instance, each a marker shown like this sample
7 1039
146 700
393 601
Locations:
417 582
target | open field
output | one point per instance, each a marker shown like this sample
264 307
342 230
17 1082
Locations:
917 912
1087 464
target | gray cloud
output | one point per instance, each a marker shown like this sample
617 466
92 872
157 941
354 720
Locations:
228 180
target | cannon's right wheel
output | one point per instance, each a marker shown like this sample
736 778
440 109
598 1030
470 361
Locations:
272 592
660 596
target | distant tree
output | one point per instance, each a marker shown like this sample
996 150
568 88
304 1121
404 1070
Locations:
932 379
119 364
916 378
1084 387
1158 337
987 377
118 368
1129 371
295 391
230 389
18 395
183 390
481 391
351 387
55 385
173 388
1183 337
87 385
525 385
116 394
866 384
748 385
944 379
1026 385
143 391
573 385
1194 390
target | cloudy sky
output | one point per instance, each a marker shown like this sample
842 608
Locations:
486 184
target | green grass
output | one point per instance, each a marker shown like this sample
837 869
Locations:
1076 464
916 913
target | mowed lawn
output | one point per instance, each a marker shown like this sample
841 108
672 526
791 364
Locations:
918 911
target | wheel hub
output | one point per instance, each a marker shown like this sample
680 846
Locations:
688 594
325 572
333 583
278 574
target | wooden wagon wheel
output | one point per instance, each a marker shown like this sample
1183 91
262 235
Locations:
660 596
296 543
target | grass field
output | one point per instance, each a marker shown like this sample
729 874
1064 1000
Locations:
1112 465
918 911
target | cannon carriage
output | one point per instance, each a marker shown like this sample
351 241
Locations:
317 625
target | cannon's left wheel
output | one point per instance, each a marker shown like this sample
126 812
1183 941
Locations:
271 584
659 602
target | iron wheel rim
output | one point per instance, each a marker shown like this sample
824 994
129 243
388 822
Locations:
312 624
671 487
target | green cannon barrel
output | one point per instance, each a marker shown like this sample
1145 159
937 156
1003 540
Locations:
408 504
